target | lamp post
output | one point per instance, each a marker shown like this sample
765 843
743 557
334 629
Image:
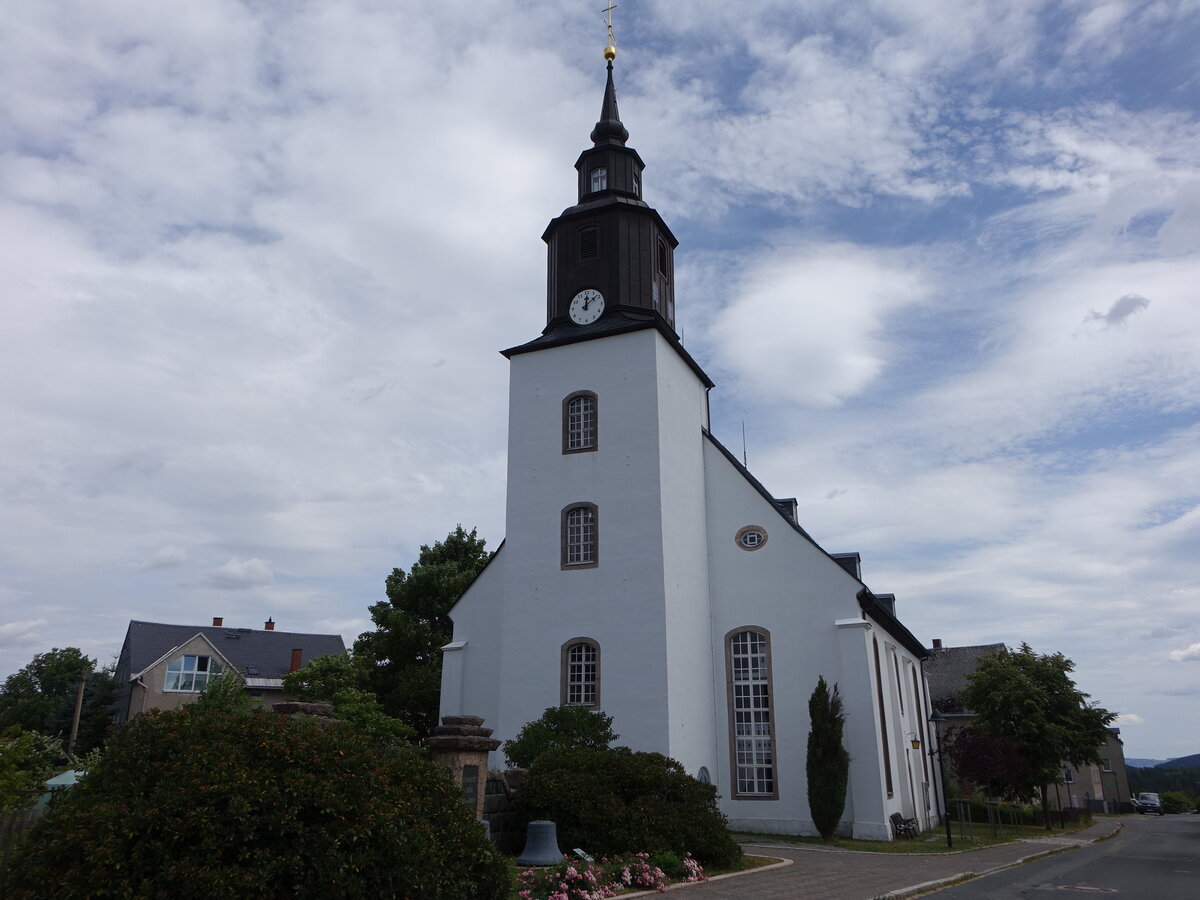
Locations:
935 720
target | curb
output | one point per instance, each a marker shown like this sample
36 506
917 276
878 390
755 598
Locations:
963 877
781 863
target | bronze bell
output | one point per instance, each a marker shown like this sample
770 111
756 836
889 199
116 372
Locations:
541 845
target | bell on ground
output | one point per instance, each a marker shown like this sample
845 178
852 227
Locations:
541 845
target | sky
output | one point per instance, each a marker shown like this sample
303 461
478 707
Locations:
941 259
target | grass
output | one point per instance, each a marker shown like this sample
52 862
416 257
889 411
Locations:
926 842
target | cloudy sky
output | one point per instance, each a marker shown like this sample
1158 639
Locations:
942 259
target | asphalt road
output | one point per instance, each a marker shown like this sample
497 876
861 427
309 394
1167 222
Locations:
1153 858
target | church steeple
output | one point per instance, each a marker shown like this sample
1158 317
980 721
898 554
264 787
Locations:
610 243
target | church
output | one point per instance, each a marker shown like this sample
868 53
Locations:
646 573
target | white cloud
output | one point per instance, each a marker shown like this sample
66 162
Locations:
1130 719
166 557
1186 654
237 574
10 630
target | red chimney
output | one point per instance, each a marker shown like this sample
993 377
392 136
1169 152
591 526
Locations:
296 657
218 621
937 643
269 624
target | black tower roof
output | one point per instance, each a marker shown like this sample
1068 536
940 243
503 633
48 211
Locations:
609 129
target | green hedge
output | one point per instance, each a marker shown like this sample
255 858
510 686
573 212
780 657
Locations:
224 803
610 802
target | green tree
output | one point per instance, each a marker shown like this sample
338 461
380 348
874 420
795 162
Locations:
41 696
26 761
1031 699
339 680
828 763
403 654
557 728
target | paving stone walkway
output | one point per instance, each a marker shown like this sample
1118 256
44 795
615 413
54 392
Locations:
819 874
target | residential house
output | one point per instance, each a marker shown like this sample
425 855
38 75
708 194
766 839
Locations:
166 666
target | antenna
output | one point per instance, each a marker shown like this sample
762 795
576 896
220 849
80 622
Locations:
744 463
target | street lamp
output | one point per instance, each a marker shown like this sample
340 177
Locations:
935 720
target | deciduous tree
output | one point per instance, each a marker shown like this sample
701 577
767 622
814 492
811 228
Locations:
41 696
403 654
1031 699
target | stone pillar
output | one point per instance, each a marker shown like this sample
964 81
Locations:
462 744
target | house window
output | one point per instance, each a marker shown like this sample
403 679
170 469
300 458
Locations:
589 242
883 730
580 536
752 739
579 422
1068 777
191 673
599 179
581 673
1106 765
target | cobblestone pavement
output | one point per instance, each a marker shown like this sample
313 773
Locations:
818 874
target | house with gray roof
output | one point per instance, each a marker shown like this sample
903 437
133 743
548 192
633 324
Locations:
165 666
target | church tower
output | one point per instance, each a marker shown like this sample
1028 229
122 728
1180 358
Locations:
599 595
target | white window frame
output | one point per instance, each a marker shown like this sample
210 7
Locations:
581 673
752 753
580 420
188 670
580 536
599 179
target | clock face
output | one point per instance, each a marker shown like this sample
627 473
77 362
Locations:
586 306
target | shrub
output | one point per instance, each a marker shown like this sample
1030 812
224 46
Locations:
576 880
201 803
1176 802
26 761
828 763
559 727
610 802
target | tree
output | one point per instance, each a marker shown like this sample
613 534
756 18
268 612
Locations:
220 802
559 727
339 680
26 761
828 763
41 696
403 654
1030 699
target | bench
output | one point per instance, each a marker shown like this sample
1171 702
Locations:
903 826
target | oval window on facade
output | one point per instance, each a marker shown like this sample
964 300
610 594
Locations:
751 537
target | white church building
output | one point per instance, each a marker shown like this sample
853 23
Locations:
646 573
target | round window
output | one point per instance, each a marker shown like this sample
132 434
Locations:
751 537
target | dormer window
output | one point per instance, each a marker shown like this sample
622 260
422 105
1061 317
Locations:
191 673
599 179
662 257
637 185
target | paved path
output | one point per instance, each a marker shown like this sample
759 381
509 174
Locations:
819 874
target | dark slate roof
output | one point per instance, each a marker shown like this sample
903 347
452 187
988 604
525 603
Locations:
947 669
620 321
882 612
268 652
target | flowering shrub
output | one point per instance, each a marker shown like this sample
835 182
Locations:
572 880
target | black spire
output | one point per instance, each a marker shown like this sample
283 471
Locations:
609 129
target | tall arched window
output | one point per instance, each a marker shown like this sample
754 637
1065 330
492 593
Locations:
580 536
752 735
579 422
581 673
883 731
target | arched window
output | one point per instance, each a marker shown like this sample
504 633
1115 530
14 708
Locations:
581 673
580 536
579 422
883 731
752 735
599 179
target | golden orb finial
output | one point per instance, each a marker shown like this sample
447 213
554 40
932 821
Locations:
610 52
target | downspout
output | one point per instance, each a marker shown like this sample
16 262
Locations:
145 691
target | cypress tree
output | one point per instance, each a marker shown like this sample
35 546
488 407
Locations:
828 762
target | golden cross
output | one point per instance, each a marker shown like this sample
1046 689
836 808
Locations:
612 41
